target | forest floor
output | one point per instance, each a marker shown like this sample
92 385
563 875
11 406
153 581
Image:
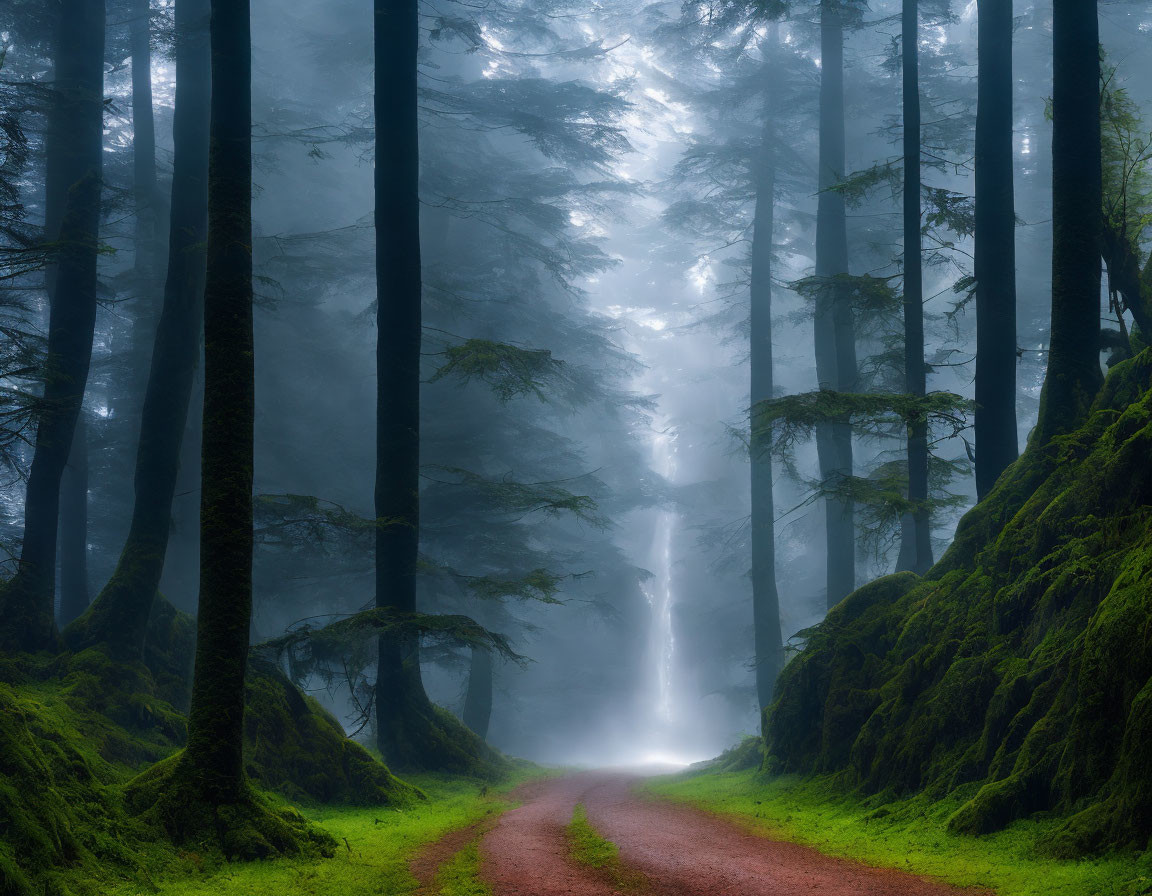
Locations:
597 834
910 834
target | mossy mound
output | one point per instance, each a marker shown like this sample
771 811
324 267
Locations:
59 804
1016 674
297 748
249 827
425 737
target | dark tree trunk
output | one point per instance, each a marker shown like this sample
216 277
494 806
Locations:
916 527
478 702
119 616
214 755
73 185
74 528
995 263
147 204
765 597
834 325
401 702
1074 374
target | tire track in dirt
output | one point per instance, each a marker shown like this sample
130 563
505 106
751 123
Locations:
680 850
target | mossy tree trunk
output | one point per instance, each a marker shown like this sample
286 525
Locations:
769 657
214 756
74 528
402 706
916 526
74 168
834 326
478 702
119 615
1074 375
997 445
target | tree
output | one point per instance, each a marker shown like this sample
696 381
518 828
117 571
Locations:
765 597
1074 375
405 717
73 187
214 755
119 615
995 249
916 526
835 329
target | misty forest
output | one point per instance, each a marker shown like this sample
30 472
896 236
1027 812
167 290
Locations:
584 447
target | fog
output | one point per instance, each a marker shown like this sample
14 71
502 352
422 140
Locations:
585 199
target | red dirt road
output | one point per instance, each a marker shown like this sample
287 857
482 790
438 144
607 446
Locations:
681 851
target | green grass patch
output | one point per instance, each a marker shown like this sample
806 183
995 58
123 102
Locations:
460 875
588 848
375 846
909 834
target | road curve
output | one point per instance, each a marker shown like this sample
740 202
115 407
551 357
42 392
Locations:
681 851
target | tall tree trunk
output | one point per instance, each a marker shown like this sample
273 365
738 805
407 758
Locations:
74 528
401 702
146 195
73 185
834 325
765 597
216 719
916 534
478 702
119 616
995 252
1074 374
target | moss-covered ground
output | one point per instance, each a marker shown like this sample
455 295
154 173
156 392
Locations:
1014 680
911 834
460 875
375 846
588 848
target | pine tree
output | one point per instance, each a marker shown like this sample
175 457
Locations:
995 250
74 167
1074 374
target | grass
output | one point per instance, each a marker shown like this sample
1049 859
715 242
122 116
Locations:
909 835
375 847
588 848
460 875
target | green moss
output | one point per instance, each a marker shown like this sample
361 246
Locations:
374 849
1015 674
910 834
588 848
167 797
297 748
60 808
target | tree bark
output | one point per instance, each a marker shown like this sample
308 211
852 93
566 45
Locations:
916 526
997 445
1074 374
769 656
146 195
478 703
119 616
214 755
73 188
401 702
834 324
74 528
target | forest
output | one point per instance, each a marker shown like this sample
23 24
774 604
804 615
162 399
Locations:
575 448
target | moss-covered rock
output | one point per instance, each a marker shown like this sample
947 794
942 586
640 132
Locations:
1018 670
296 747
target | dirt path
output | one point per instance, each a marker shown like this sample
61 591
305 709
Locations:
681 851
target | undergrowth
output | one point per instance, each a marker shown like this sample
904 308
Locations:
909 834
